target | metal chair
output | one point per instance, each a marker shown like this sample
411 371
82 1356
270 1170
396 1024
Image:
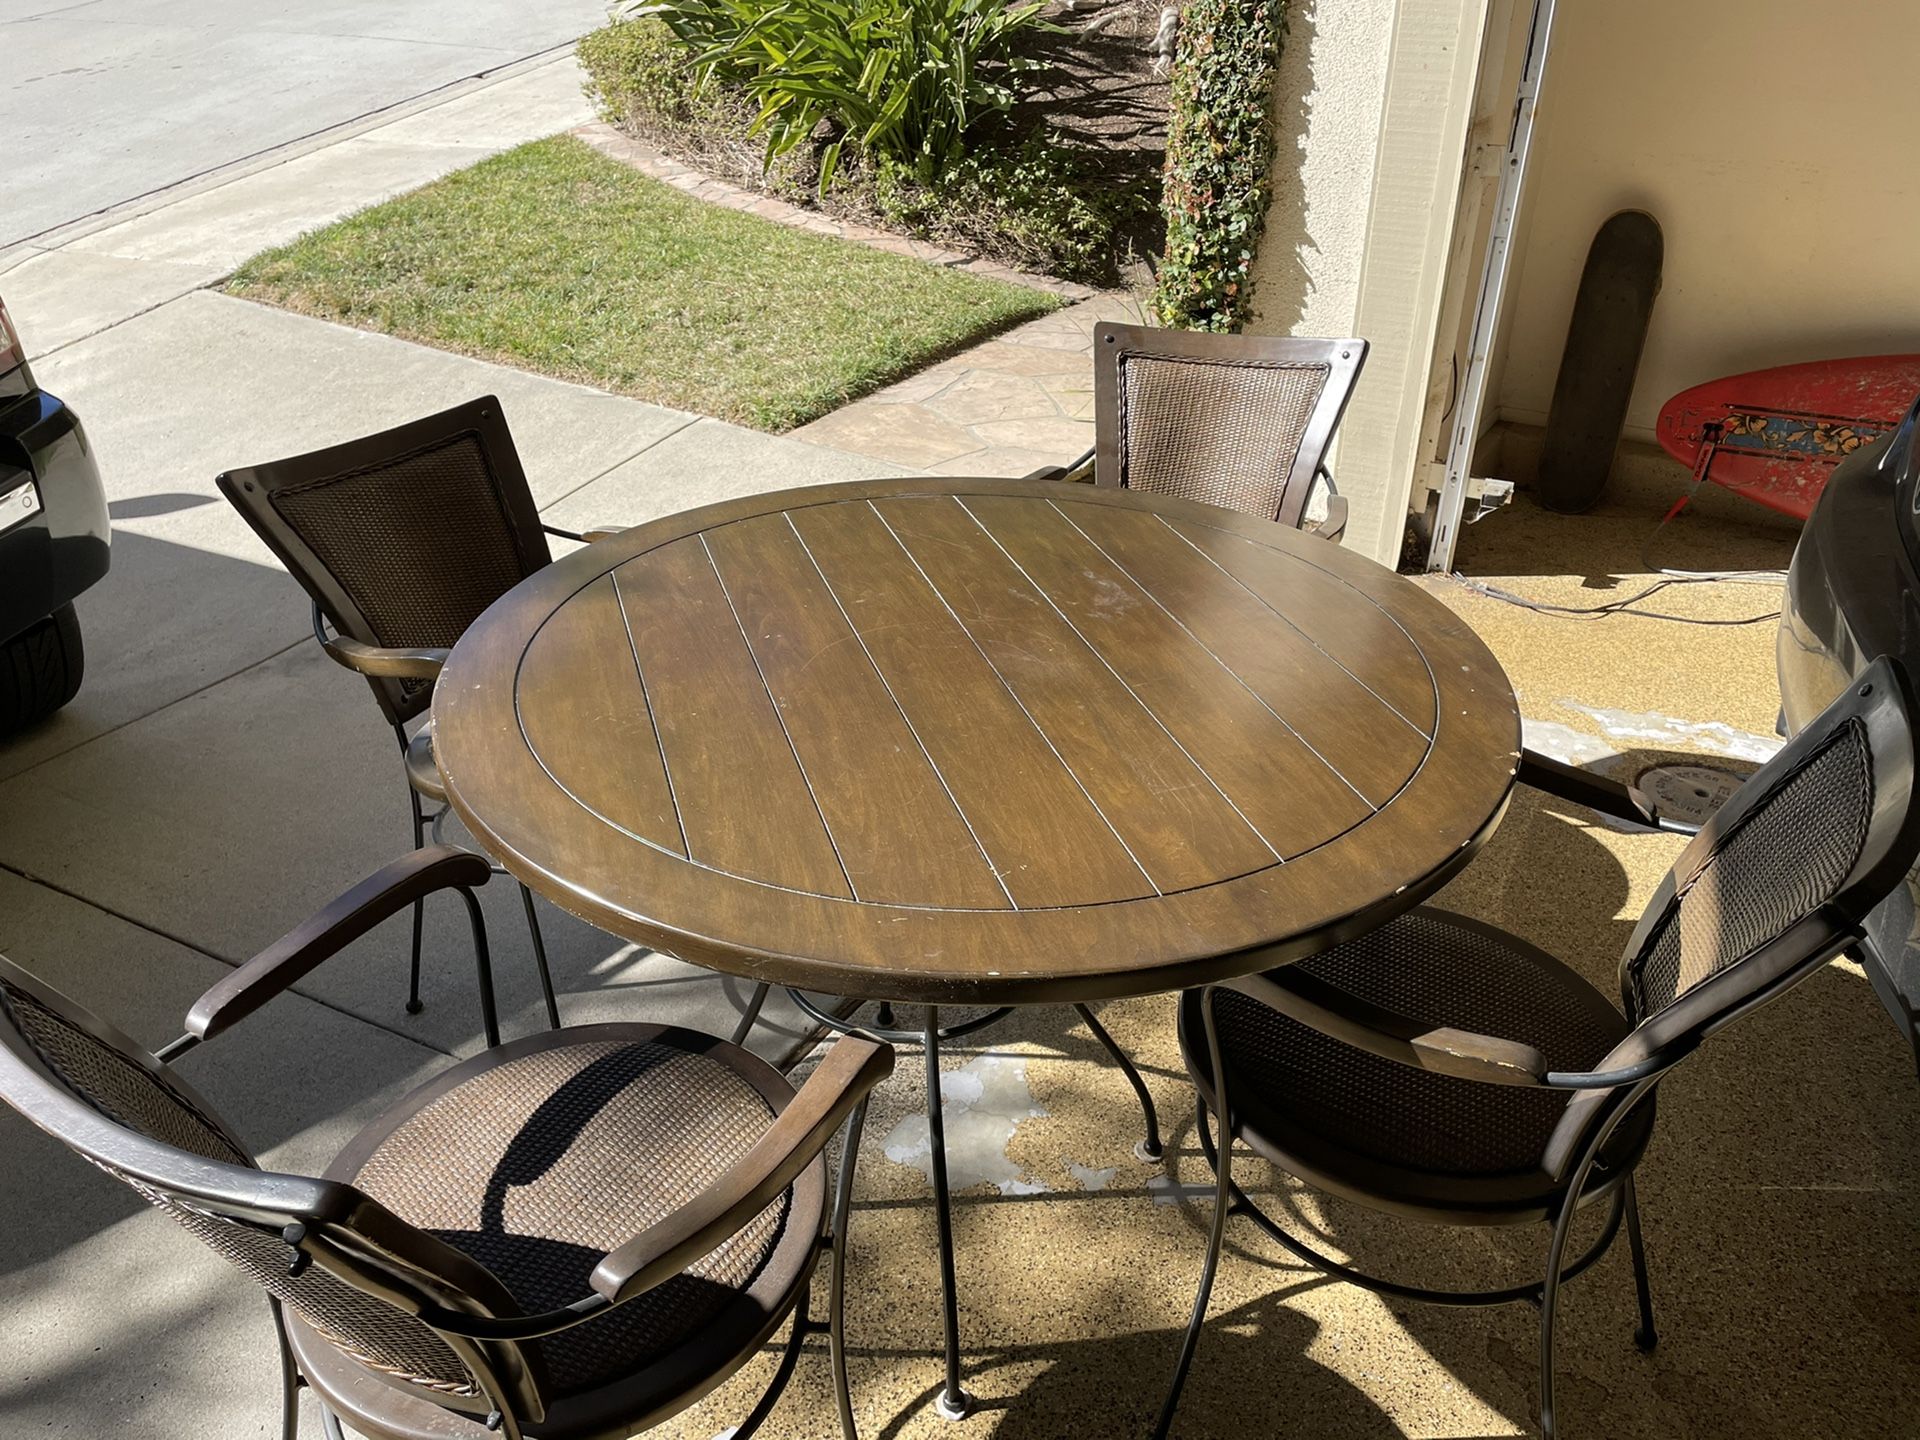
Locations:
1238 421
1442 1070
402 539
573 1236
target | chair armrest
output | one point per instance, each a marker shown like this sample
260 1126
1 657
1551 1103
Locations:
1583 787
585 537
1441 1049
1335 525
387 891
1080 470
852 1068
423 663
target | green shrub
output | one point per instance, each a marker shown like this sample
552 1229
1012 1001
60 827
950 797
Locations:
1220 149
904 81
642 74
1030 200
1035 204
638 71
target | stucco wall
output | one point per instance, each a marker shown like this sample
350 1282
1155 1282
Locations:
1327 101
1775 145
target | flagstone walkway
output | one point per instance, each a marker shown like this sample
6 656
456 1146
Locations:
1006 407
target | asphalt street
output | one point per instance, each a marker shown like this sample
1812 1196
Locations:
102 101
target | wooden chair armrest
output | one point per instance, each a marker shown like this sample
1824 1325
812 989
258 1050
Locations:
383 664
852 1068
591 536
1439 1048
563 534
1080 470
345 919
423 663
1334 527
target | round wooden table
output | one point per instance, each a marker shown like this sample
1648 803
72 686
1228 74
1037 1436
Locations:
975 742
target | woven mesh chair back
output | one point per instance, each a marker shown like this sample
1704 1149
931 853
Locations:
74 1056
402 537
1812 842
1241 422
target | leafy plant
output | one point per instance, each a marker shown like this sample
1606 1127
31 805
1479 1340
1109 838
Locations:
1040 204
1220 150
905 81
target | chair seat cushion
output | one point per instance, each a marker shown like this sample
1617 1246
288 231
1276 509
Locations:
423 772
538 1158
1398 1137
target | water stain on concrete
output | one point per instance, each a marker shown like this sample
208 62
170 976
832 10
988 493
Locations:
981 1106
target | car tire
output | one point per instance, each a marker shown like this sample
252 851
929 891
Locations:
40 670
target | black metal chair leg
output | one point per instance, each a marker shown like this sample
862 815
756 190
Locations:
778 1385
1550 1296
330 1423
836 1292
1646 1337
953 1402
289 1377
1148 1149
414 1004
483 966
750 1017
540 959
1216 1233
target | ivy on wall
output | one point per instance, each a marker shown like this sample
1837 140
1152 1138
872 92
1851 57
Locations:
1220 147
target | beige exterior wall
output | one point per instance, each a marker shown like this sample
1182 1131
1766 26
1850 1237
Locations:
1327 99
1372 104
1776 146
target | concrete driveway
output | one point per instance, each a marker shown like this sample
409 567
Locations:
217 779
102 101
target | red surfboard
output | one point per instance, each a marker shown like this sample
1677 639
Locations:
1774 436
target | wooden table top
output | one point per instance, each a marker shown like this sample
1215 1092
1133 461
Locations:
976 741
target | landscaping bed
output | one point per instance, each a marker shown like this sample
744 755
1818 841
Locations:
557 259
1038 144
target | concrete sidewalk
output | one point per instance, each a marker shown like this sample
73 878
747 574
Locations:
218 779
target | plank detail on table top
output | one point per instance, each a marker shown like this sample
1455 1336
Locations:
978 702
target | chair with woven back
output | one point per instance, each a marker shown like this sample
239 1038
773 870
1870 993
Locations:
573 1236
1238 421
1442 1070
401 539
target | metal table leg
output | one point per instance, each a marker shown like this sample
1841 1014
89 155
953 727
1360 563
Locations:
954 1403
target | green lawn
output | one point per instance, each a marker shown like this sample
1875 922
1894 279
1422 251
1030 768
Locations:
555 258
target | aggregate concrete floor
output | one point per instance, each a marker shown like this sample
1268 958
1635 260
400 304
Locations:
1779 1194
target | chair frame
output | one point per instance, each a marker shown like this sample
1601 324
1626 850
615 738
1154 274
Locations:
353 643
1113 343
334 1225
1600 1100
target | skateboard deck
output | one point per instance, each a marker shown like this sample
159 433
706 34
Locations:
1774 436
1608 331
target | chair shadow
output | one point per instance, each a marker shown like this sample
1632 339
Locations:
1252 1368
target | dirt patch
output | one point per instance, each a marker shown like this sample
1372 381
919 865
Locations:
1103 87
1104 92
